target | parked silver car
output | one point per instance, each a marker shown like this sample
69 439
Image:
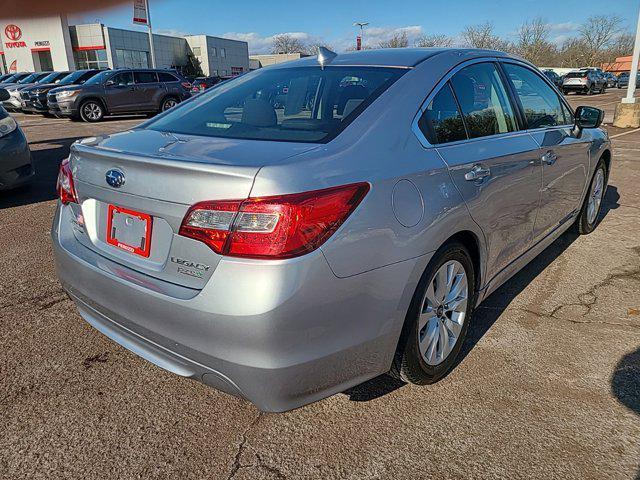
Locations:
286 254
584 81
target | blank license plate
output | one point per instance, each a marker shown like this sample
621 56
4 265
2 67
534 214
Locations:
129 230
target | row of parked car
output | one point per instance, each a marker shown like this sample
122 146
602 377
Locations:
90 95
587 80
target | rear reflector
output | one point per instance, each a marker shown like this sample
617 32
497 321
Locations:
283 226
65 187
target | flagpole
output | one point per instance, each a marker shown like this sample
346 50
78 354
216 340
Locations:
153 55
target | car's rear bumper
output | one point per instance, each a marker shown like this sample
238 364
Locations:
15 161
576 87
280 334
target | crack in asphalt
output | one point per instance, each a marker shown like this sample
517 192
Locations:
243 446
589 299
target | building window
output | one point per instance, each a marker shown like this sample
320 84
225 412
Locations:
223 73
235 71
132 59
197 51
214 73
223 53
214 52
90 59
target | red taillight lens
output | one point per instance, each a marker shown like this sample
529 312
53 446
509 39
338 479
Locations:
284 226
186 85
65 187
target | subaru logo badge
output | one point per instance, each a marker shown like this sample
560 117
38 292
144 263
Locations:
115 178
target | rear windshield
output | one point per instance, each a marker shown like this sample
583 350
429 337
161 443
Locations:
576 75
304 104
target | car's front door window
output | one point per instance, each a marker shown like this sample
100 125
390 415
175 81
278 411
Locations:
122 79
540 103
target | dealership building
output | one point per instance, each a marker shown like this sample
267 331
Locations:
50 43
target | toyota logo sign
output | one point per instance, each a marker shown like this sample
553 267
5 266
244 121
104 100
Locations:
13 32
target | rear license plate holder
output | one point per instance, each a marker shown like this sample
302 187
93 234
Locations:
129 230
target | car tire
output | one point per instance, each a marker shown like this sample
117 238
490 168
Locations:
91 111
589 214
421 358
167 103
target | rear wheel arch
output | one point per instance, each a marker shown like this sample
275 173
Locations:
472 243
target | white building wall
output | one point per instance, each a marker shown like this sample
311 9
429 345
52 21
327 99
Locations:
46 32
198 46
236 54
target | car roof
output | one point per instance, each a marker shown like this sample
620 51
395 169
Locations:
385 57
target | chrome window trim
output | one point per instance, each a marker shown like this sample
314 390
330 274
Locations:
421 111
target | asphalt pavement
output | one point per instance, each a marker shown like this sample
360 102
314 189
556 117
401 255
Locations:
548 386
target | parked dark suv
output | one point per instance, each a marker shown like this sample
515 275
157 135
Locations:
120 91
34 98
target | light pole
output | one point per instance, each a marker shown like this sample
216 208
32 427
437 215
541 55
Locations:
361 25
153 53
631 88
628 111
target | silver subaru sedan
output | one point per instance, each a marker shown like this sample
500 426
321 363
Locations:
308 226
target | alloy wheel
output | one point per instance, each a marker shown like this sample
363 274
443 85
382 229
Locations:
92 111
595 197
443 312
169 103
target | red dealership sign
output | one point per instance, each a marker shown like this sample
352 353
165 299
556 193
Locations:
14 34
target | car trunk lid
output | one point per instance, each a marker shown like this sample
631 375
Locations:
162 176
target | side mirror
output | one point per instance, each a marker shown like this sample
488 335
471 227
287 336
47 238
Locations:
588 117
4 95
109 83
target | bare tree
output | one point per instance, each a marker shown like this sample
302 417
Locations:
597 34
621 46
482 36
285 43
312 48
572 54
398 40
533 42
435 40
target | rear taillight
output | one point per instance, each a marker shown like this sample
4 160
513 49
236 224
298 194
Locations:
186 85
65 187
283 226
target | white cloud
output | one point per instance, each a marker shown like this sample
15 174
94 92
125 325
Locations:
171 32
563 28
372 37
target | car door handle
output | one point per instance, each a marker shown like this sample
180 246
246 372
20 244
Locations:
478 172
550 158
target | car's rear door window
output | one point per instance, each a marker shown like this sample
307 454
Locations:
441 121
166 77
540 102
298 104
483 100
145 77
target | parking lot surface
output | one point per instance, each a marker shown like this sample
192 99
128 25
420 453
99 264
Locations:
548 386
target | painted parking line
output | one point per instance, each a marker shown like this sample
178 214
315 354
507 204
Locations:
624 133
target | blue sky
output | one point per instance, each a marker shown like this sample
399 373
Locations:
257 21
